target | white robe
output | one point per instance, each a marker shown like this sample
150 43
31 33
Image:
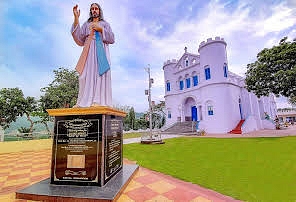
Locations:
93 88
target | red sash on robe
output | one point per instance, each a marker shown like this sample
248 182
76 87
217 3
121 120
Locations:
82 60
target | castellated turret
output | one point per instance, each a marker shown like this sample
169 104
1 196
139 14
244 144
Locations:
169 63
213 55
168 68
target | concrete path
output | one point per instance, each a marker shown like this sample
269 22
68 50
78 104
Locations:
289 131
138 139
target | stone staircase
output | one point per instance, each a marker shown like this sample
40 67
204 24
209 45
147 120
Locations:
186 128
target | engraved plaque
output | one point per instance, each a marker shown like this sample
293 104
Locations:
113 147
76 150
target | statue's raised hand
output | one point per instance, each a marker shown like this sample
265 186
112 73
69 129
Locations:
76 12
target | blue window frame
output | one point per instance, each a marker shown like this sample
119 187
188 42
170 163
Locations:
168 86
225 70
210 110
195 80
188 83
181 85
208 73
169 114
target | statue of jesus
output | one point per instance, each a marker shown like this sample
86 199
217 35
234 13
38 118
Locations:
93 66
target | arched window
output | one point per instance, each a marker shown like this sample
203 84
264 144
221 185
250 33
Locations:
187 81
169 114
186 62
225 69
194 79
181 83
168 86
210 108
207 72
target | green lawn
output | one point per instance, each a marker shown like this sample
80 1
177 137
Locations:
249 169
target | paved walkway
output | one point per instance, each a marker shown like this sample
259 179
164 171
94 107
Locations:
19 170
289 131
138 139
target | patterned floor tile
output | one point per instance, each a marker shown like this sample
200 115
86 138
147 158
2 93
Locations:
133 185
38 178
42 172
3 178
5 170
161 186
7 197
18 176
12 189
15 182
141 194
159 198
40 165
4 174
180 195
21 171
21 167
141 173
148 179
200 199
125 198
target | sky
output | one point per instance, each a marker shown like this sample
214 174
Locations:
35 39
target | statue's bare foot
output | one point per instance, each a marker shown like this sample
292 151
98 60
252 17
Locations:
95 105
76 106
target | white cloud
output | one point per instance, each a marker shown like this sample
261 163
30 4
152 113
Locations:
280 19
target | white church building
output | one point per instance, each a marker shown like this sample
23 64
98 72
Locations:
199 87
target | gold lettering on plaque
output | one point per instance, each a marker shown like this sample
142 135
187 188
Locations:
75 161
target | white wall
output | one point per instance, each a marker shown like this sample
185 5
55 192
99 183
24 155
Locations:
249 125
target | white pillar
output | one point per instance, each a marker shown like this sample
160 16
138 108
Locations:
1 134
182 113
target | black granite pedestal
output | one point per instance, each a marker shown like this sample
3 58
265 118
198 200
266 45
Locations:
87 153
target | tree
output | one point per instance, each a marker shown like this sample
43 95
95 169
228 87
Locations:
292 100
142 123
27 132
131 118
14 104
63 90
30 106
158 115
44 119
274 71
11 101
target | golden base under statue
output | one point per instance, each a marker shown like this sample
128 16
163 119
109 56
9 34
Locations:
86 111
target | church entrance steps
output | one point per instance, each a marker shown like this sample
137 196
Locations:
181 128
238 128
